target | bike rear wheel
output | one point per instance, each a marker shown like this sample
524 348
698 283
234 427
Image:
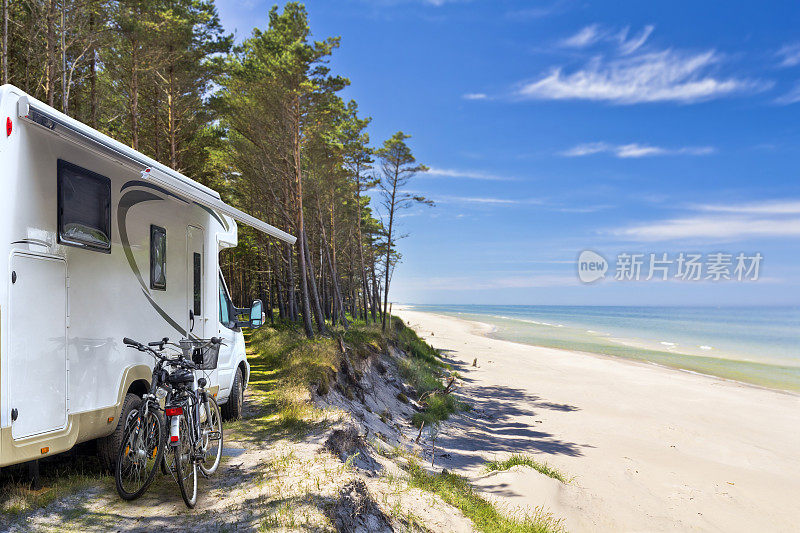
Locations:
185 465
140 453
211 435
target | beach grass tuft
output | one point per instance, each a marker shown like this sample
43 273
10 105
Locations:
456 491
526 460
425 370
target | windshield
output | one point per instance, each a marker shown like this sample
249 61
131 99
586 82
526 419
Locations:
225 305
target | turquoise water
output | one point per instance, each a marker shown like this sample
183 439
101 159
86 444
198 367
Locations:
760 345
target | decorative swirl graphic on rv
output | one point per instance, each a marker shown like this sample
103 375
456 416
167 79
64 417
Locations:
128 200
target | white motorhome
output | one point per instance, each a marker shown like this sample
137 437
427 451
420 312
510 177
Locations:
100 242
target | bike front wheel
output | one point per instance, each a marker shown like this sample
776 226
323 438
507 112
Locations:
140 453
211 438
185 465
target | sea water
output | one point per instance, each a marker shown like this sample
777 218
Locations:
758 345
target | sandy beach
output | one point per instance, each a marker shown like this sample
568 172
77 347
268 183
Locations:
648 448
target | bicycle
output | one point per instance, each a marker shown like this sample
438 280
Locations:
195 421
142 450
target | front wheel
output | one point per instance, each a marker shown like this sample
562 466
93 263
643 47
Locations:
140 453
185 465
233 409
211 438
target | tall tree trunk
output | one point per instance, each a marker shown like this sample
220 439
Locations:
134 109
389 251
291 298
64 91
376 293
300 225
314 293
173 141
92 71
337 293
50 67
362 272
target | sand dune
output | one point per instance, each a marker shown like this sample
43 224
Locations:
650 448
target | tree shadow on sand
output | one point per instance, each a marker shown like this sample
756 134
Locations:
498 423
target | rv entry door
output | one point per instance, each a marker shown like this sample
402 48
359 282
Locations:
37 367
196 274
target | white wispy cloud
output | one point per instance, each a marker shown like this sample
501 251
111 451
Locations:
475 96
722 222
583 209
791 97
585 37
664 76
634 150
594 33
791 207
468 174
537 12
478 200
789 55
490 282
485 200
724 227
628 46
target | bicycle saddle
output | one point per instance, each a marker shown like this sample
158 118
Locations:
181 376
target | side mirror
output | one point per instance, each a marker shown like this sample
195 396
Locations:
256 314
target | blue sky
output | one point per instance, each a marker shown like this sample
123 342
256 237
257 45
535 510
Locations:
559 126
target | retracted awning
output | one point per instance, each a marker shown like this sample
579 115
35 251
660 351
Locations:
181 189
44 116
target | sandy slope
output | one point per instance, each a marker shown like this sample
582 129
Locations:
651 449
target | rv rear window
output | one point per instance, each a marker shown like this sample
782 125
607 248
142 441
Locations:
158 258
84 208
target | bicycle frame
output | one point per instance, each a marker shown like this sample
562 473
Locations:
190 401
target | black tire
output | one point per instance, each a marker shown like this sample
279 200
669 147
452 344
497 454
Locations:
108 447
140 454
213 424
186 466
232 410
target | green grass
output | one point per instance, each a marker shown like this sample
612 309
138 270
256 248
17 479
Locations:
525 460
61 475
425 370
284 366
456 491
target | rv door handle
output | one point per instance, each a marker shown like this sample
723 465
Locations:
14 414
191 320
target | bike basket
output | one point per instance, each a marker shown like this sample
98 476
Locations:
203 354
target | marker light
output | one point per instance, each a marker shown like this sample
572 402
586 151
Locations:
9 126
45 450
174 411
173 438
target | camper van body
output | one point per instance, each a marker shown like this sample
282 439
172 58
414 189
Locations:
68 295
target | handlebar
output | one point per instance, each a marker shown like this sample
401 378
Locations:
160 343
186 363
131 342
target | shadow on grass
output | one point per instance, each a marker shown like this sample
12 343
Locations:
59 474
283 366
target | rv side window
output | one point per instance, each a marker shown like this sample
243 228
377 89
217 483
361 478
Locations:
84 208
158 258
196 283
224 305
